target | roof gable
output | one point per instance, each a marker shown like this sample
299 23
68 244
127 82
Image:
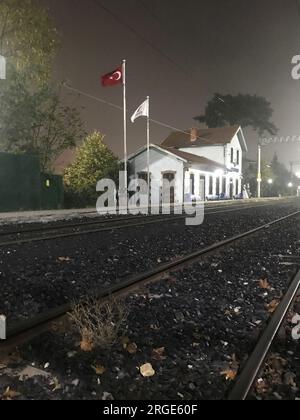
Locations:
204 137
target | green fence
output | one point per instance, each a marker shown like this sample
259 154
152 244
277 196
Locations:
23 187
52 192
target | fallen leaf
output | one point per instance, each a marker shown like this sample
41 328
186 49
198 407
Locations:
261 387
234 365
86 345
154 327
263 284
229 374
64 259
125 341
9 394
132 348
158 354
272 306
99 370
57 385
147 370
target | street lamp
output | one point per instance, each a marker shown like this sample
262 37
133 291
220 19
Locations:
259 178
270 181
290 185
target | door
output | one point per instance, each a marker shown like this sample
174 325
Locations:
202 188
231 193
168 189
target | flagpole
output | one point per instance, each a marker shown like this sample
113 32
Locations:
125 126
148 149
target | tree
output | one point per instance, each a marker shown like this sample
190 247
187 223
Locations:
243 110
28 37
282 177
276 171
250 178
36 121
94 161
33 119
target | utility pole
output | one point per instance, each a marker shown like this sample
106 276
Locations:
2 67
259 178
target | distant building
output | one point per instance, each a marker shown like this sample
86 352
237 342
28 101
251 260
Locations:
204 163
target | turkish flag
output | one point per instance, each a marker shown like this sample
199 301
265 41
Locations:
114 78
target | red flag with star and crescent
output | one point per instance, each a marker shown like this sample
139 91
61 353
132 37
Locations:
113 78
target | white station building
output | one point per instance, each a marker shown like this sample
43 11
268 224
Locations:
202 163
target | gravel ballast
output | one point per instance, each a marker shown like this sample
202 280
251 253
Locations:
207 318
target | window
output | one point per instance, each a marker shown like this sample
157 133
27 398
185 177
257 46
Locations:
237 187
202 191
238 157
218 186
192 184
211 186
232 155
224 185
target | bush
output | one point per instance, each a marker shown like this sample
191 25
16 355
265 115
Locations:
94 161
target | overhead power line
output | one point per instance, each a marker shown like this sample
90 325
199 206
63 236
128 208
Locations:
119 108
297 7
142 38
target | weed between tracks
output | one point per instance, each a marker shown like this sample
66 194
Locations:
98 323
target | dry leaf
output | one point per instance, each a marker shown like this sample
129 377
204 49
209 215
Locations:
229 374
64 259
261 387
132 348
263 284
154 327
147 370
158 354
57 385
86 345
9 394
99 370
272 306
125 342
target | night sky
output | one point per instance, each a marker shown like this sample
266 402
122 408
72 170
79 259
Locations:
180 53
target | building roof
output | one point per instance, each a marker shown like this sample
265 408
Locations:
204 137
206 164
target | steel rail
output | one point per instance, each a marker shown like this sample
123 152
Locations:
79 224
255 362
236 205
20 331
116 226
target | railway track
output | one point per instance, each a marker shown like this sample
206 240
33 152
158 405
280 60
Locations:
24 331
46 233
255 363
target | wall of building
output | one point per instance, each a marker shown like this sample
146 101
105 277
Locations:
159 163
211 178
215 153
220 154
235 144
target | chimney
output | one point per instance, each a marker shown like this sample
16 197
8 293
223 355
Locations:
194 135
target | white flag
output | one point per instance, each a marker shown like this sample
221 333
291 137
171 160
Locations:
142 111
2 68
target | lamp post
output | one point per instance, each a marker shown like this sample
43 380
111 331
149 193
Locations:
259 178
2 67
